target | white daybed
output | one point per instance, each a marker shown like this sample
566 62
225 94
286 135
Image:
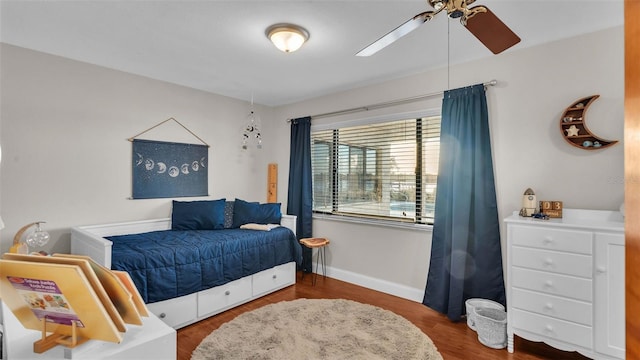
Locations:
184 310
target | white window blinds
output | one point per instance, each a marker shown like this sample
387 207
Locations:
385 170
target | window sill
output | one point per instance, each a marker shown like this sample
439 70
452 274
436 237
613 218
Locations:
374 222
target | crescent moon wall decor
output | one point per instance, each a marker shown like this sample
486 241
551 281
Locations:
574 127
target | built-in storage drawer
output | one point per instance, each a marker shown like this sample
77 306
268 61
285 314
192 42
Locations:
552 328
224 296
185 310
553 306
554 284
277 277
552 239
553 261
176 311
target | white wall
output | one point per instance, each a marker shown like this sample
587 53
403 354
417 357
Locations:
535 87
64 126
65 155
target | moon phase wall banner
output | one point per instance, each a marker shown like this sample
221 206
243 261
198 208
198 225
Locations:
167 169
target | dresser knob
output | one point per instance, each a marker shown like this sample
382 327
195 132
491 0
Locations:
274 276
162 315
227 292
601 269
548 240
548 284
548 306
548 328
548 262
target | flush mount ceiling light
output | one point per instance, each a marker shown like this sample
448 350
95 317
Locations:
287 37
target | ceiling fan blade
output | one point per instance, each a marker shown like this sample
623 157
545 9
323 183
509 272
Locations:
396 33
491 31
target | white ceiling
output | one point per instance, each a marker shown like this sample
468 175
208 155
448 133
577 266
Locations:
220 46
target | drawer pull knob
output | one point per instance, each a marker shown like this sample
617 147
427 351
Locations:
227 292
548 240
162 315
548 284
548 306
601 269
275 276
548 328
548 262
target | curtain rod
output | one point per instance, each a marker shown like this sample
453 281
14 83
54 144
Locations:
386 104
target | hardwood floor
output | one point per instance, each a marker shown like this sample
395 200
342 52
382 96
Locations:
453 340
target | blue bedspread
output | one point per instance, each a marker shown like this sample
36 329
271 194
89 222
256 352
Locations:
171 263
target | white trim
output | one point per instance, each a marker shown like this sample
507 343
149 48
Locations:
377 119
384 286
374 222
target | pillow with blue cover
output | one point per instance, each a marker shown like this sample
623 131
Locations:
228 214
247 212
198 215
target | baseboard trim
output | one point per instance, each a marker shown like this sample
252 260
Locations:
384 286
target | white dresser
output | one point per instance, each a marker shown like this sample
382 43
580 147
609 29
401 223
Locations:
153 340
565 282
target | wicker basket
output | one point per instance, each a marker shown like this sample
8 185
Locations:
475 303
491 326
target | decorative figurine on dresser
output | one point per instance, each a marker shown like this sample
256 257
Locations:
528 203
566 281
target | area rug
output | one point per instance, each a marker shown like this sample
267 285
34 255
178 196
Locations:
317 329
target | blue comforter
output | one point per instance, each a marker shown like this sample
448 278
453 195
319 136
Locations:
171 263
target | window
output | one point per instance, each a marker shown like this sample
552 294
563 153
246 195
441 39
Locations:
383 170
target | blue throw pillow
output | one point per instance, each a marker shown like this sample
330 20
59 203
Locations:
198 215
247 212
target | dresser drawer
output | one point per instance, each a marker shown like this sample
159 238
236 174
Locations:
553 306
553 261
274 278
224 296
552 239
553 284
552 328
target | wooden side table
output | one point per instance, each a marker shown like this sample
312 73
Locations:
321 245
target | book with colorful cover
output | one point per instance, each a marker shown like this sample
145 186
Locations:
55 295
91 277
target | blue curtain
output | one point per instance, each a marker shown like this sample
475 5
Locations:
466 257
300 192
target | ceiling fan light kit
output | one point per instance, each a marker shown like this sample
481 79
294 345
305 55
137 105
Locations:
479 20
287 37
437 4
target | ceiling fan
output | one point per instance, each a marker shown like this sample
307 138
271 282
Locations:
482 23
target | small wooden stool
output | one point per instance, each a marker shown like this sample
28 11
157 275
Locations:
321 244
